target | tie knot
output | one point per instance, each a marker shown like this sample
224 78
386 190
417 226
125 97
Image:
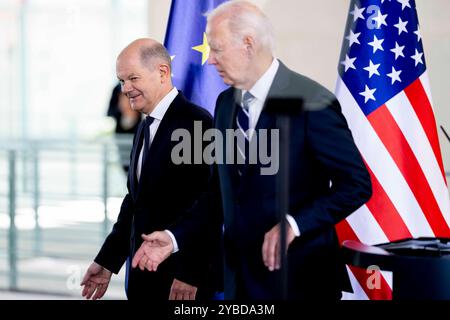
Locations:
246 99
149 120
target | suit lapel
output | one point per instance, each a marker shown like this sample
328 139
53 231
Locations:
278 89
161 142
227 120
235 103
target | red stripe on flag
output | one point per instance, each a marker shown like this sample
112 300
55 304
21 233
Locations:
384 212
383 292
345 232
379 288
401 152
419 100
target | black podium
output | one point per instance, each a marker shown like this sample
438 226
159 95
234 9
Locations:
420 267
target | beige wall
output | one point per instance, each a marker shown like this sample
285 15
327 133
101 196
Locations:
309 37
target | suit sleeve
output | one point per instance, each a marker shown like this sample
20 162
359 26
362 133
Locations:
205 217
206 213
331 143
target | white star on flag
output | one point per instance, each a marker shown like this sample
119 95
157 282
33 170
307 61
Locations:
395 75
368 94
353 38
357 13
348 63
376 44
380 19
417 57
401 26
398 50
405 3
418 34
372 69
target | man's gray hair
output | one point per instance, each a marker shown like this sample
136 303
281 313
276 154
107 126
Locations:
150 54
244 18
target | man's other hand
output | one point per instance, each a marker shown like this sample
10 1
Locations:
156 248
271 246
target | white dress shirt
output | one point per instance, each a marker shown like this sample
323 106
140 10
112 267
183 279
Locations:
259 91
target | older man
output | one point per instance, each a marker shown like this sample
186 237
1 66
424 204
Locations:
327 177
159 191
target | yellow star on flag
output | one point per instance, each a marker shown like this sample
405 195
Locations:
203 48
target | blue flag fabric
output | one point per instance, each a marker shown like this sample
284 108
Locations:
382 51
187 45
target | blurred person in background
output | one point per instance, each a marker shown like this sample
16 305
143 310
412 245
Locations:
126 122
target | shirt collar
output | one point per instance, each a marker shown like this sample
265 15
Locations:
161 108
261 88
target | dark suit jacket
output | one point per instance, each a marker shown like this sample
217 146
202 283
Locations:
327 181
163 194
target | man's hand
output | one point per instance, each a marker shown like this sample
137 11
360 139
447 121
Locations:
182 291
156 248
271 246
95 280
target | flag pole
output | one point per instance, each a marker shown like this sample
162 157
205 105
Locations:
283 108
283 197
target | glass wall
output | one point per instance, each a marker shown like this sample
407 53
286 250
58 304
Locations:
57 61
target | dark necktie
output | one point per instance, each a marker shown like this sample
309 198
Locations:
242 122
148 122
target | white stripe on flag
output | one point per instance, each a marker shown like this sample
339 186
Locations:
426 86
403 113
387 275
361 221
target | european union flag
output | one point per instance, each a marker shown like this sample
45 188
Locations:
188 47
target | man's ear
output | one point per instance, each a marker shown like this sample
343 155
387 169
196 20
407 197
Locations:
249 43
164 71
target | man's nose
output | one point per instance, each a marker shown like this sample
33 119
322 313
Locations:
212 58
126 87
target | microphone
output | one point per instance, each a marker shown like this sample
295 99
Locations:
445 132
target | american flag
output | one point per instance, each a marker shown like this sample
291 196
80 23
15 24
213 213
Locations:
384 91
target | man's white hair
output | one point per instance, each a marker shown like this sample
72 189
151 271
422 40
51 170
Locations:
245 19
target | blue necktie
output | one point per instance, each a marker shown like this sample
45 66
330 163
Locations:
242 122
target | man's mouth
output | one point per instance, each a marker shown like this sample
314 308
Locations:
133 97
